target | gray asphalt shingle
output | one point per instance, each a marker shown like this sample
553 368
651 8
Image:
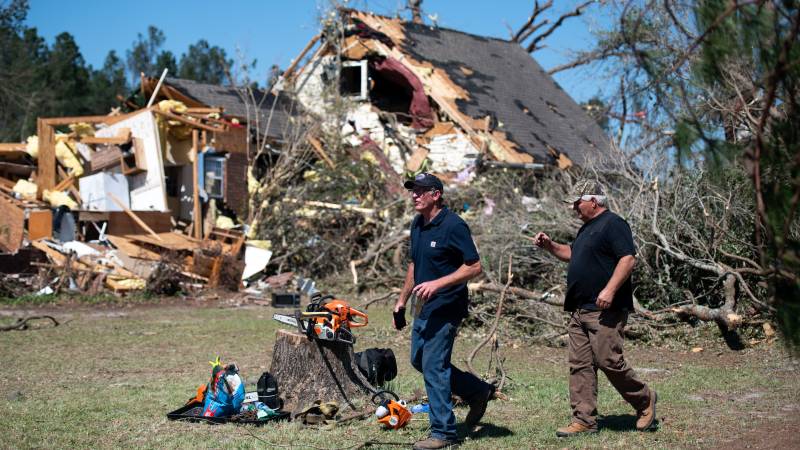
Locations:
507 83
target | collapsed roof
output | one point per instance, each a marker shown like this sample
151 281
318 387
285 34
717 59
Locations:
491 85
275 110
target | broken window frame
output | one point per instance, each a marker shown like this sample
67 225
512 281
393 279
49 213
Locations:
364 72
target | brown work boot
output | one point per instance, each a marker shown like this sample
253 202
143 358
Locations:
477 407
432 443
647 416
575 429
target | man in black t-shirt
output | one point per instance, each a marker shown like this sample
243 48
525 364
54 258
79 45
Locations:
599 297
443 259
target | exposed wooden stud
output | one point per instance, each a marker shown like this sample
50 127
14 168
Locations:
196 214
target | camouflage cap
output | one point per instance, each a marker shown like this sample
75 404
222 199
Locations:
584 187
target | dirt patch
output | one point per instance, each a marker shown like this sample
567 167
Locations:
768 434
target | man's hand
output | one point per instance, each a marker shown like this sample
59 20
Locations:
604 299
425 290
542 240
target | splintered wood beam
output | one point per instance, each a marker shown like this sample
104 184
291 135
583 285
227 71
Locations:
288 72
320 151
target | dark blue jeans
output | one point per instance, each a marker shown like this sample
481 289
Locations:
431 348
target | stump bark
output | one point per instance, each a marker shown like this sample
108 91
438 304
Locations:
309 369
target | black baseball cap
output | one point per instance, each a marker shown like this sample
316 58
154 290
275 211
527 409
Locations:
424 180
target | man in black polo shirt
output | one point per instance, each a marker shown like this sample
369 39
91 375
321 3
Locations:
599 297
443 259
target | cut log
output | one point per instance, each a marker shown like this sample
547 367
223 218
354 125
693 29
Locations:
309 370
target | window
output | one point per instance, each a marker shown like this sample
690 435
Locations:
353 79
214 172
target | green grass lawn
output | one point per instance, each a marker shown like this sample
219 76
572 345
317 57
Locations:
108 375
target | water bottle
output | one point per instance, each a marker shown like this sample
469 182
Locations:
421 408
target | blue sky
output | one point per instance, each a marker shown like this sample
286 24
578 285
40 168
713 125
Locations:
274 32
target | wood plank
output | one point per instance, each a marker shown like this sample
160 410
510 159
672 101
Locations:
65 183
123 137
40 224
105 158
57 257
201 110
46 172
11 227
120 223
12 147
133 215
131 249
58 121
169 241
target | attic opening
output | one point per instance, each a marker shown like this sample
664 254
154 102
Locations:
391 93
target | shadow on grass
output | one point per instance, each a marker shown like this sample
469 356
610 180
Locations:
486 430
620 422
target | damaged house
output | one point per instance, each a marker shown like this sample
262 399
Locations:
166 179
444 101
174 177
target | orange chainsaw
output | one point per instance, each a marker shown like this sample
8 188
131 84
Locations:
326 318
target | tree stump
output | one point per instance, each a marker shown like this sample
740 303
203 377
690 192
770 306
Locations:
310 369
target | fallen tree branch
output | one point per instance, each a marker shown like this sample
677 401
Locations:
544 297
22 323
366 304
497 315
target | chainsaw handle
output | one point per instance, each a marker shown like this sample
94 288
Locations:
355 324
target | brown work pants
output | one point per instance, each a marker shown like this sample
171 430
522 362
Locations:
595 342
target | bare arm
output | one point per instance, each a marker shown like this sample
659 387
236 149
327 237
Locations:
405 292
560 251
621 273
466 272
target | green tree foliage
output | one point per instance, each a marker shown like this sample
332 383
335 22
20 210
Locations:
146 56
205 63
37 80
107 84
68 77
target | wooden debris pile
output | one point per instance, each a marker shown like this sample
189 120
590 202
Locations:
162 263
